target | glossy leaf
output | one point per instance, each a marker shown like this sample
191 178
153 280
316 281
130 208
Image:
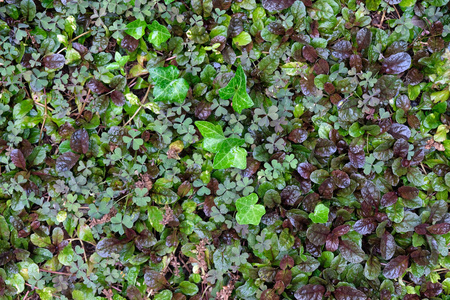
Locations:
237 89
158 33
396 267
248 212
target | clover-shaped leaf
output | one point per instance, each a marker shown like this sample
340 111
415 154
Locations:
248 212
237 88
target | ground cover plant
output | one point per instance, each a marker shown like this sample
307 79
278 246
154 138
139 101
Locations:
224 149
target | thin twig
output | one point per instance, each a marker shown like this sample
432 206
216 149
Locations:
382 19
54 272
139 108
42 105
170 58
45 119
77 37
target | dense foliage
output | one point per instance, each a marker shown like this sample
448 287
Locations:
229 149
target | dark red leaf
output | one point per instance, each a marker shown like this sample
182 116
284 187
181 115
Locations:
276 28
129 43
332 242
208 205
326 188
222 4
324 148
310 292
287 262
396 63
307 85
403 102
340 179
351 251
421 229
235 28
370 193
269 294
118 98
417 158
356 62
203 110
305 169
66 161
252 167
309 53
420 257
97 87
363 38
401 148
413 77
435 44
408 192
80 48
18 159
317 234
389 199
387 246
349 293
219 39
385 294
396 267
310 201
133 293
321 67
155 280
342 50
290 195
277 5
54 61
365 226
341 230
400 131
441 228
433 289
79 142
298 135
358 159
411 297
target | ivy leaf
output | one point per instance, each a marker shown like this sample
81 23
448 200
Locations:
168 87
175 91
136 29
158 33
248 212
320 214
237 88
212 134
231 155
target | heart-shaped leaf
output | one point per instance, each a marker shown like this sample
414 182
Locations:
248 212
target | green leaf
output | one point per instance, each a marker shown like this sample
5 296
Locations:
242 39
85 234
320 214
40 241
230 155
237 88
162 195
22 109
175 91
155 216
158 34
188 288
28 9
163 75
136 29
248 212
67 255
212 135
168 87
